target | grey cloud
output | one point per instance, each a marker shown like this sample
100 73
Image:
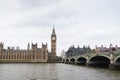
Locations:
37 3
83 22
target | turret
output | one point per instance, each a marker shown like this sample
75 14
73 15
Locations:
34 47
28 47
1 46
44 45
110 46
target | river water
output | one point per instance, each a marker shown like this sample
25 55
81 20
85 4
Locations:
55 71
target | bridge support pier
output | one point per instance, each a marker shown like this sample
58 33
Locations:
111 66
114 66
75 63
87 63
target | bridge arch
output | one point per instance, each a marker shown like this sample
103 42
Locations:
72 60
67 61
81 61
99 61
117 60
99 55
63 61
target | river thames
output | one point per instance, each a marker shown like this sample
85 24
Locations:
55 71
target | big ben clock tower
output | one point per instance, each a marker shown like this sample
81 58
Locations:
53 45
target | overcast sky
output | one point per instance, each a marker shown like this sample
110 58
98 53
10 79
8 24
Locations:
77 22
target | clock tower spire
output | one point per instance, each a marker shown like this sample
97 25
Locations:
53 45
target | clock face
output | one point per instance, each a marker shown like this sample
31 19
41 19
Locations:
53 38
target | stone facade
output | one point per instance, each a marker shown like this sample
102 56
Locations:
33 54
105 49
72 51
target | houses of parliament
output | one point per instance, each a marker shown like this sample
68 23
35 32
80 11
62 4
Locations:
31 54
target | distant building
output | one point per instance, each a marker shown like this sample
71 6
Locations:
63 54
100 49
72 51
105 49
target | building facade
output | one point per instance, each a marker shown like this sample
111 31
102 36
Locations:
72 51
105 49
31 54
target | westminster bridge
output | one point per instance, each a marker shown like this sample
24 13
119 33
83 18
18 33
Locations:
100 59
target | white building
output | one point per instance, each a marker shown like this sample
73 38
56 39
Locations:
63 54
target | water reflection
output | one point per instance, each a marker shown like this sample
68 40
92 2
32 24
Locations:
55 72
